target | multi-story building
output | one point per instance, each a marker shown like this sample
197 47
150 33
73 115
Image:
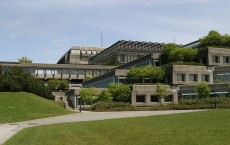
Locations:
79 55
123 52
214 69
180 80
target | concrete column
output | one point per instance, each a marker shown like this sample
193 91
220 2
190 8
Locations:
162 100
133 99
175 98
199 77
148 99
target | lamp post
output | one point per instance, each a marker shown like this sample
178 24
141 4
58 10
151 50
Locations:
215 100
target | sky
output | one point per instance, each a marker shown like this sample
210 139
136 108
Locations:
43 30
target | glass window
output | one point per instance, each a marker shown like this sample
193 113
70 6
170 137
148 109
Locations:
73 71
65 71
89 72
205 78
83 52
49 71
140 98
94 52
181 77
103 72
81 72
226 59
215 59
97 72
169 98
193 77
89 52
154 98
75 51
57 71
40 71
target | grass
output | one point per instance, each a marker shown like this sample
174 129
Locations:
20 106
198 128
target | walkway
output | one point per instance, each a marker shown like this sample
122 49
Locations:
8 130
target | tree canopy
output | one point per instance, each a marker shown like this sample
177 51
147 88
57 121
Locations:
88 94
25 60
214 38
58 84
16 80
203 90
120 92
138 74
174 53
161 91
105 96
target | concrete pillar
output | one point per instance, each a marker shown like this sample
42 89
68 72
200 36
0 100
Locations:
162 100
148 99
175 98
133 99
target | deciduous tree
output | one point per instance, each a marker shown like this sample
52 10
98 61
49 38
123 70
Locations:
203 90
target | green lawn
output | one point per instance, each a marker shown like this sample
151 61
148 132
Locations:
20 106
198 128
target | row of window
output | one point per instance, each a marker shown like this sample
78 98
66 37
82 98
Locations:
216 59
84 52
153 98
60 71
193 78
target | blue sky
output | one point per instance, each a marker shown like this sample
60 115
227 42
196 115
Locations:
43 30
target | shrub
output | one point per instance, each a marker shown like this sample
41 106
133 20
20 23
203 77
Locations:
120 92
111 106
105 96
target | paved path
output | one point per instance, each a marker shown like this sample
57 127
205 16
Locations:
8 130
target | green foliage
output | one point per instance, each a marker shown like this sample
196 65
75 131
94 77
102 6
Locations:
226 40
165 56
138 74
157 74
111 106
58 84
161 91
25 60
203 90
87 78
183 54
174 53
16 80
88 95
105 96
134 74
120 92
214 38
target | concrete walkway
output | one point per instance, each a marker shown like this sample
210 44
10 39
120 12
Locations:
8 130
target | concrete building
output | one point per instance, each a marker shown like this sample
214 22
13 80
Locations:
74 73
123 52
214 68
79 55
180 80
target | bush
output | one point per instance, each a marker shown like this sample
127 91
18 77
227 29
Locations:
105 96
120 92
111 106
15 80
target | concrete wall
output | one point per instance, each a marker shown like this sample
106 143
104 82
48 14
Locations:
221 53
200 71
148 91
